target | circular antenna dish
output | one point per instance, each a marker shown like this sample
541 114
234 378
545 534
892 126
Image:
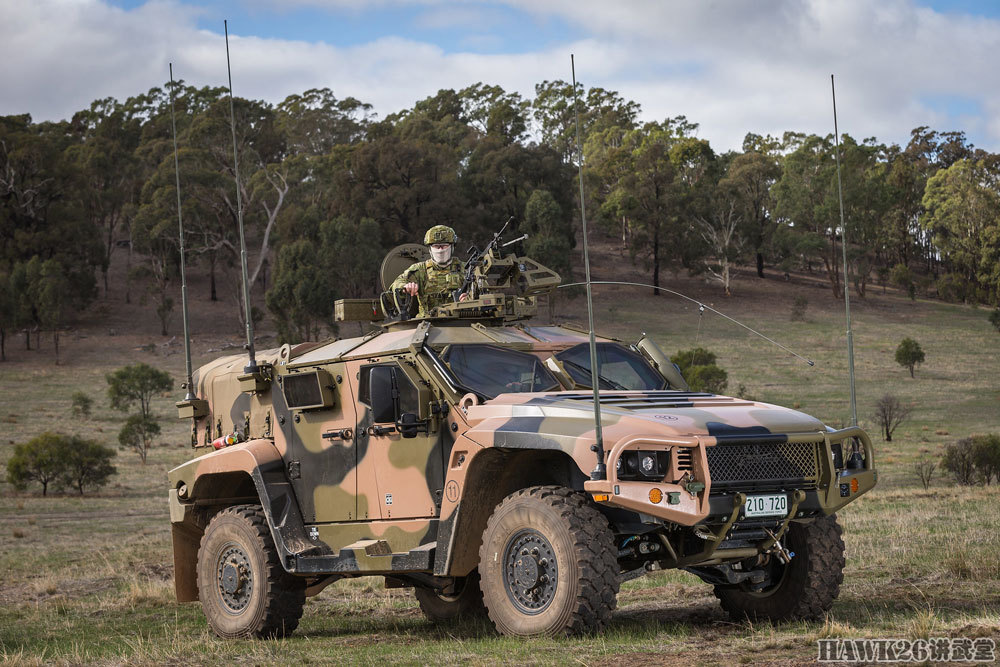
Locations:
399 259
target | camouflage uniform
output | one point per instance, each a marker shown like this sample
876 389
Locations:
436 283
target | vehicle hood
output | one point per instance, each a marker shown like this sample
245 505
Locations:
559 417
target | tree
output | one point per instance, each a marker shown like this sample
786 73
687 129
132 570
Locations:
137 434
909 354
52 299
961 203
720 231
750 175
41 459
550 237
889 414
87 464
137 383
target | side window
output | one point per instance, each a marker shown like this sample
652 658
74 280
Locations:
388 392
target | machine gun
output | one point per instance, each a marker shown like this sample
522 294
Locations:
477 258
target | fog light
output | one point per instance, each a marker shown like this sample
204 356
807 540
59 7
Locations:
655 496
854 485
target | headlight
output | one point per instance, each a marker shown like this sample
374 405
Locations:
648 464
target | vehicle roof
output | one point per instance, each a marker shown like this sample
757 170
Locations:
440 334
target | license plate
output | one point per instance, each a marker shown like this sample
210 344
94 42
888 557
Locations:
772 504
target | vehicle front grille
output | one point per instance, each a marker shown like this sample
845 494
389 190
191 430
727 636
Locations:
762 466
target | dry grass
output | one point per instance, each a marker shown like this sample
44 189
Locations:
89 580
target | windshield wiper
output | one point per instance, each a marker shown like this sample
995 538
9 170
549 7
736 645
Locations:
600 378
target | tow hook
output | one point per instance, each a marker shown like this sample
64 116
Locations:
783 555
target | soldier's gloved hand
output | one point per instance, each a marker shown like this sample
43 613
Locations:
464 296
411 288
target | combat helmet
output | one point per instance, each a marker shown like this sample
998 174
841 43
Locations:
440 234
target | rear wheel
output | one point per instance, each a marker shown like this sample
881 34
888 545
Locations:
465 602
242 587
548 564
805 588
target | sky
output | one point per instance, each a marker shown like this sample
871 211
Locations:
733 66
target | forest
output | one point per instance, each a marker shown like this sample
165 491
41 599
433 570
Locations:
326 187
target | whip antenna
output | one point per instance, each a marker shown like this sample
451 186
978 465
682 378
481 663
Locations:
251 366
701 312
843 241
180 225
599 471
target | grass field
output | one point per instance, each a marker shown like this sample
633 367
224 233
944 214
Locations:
89 579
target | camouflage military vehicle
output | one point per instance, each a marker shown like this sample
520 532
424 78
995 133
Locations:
453 454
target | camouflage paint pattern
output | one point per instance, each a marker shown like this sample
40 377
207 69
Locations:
374 502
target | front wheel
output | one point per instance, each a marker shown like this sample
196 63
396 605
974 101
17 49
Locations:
805 588
548 564
242 587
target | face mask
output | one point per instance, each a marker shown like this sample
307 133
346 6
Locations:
442 256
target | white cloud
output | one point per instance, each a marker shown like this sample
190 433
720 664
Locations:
733 67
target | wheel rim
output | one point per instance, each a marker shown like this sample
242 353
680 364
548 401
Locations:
234 578
530 573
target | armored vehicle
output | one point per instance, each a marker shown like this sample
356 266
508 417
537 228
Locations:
454 454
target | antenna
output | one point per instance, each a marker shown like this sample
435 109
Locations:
701 311
599 471
189 396
843 241
251 366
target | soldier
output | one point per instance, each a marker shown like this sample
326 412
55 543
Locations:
433 281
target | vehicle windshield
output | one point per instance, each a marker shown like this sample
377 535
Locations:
617 368
492 370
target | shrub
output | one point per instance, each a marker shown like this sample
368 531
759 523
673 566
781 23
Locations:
986 456
995 318
799 306
924 468
959 459
81 404
700 370
909 354
901 277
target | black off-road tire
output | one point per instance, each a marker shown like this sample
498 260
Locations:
805 588
242 587
549 538
466 603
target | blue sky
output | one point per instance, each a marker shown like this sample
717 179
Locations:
732 66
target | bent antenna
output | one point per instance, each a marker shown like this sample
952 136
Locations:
843 245
251 366
599 471
701 306
189 396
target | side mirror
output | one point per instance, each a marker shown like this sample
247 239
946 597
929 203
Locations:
409 425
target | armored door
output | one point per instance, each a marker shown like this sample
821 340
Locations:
321 454
408 465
